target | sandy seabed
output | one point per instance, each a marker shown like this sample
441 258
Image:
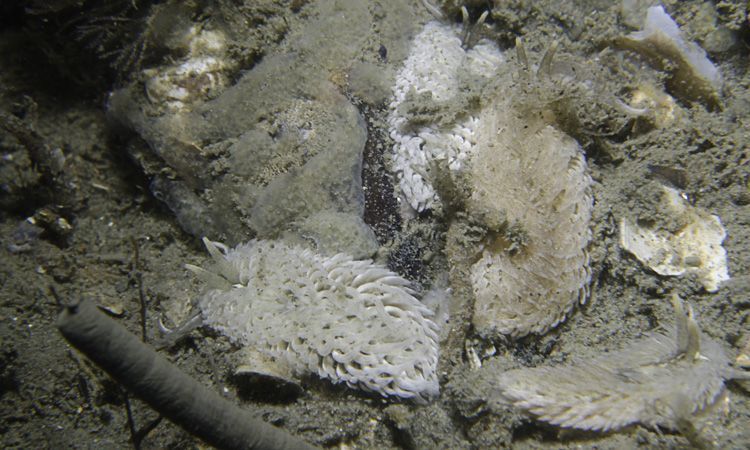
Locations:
100 232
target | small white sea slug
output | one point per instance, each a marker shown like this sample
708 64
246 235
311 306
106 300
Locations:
346 320
437 66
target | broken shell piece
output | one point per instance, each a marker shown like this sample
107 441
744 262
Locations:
693 77
193 80
114 310
202 74
260 370
695 248
658 107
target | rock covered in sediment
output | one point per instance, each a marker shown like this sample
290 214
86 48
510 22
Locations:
240 154
345 320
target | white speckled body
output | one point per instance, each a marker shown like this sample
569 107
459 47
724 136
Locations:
345 320
534 176
436 65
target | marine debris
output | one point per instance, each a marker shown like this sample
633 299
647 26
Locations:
346 320
654 105
662 380
692 75
696 247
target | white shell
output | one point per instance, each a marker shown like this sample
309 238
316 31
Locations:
696 247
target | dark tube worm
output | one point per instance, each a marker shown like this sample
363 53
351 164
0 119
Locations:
151 377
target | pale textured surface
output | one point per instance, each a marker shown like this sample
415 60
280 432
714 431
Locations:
521 172
658 22
655 381
534 176
435 65
345 320
695 248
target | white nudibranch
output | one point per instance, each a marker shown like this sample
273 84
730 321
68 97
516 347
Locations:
517 171
664 380
346 320
436 66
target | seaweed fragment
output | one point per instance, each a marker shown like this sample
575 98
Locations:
662 380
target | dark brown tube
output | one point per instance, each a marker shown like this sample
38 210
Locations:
168 390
